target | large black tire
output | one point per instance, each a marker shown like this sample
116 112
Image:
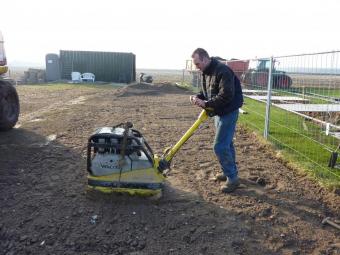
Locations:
9 106
246 79
282 81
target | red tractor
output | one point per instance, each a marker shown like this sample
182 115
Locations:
238 66
254 73
257 75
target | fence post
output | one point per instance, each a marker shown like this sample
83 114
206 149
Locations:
183 77
269 93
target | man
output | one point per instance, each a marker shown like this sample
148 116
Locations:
221 91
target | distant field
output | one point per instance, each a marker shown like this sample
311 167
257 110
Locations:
300 80
16 72
318 82
322 91
165 75
159 75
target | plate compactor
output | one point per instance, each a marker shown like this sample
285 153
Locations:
120 160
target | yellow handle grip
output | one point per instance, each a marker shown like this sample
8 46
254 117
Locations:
201 118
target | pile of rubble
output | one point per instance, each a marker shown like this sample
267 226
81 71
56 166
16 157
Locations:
34 76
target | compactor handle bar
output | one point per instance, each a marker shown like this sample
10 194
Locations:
165 160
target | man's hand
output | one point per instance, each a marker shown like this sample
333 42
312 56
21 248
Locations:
192 99
196 101
200 103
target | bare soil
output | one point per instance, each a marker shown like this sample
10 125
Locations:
330 117
318 81
46 208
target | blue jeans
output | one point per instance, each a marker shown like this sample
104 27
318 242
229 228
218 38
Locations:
223 145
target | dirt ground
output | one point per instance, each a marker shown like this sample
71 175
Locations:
46 209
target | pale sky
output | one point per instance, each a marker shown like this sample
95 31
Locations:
163 34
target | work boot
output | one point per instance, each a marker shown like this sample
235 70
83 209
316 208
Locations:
230 186
220 178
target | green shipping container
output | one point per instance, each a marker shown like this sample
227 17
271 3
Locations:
106 66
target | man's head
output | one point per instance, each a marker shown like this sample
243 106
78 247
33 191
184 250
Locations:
201 58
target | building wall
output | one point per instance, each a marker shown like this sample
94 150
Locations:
106 66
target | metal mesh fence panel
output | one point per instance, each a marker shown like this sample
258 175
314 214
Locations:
301 96
305 117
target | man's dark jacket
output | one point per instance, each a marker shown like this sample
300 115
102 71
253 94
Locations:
221 88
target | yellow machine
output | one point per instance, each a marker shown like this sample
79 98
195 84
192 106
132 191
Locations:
120 160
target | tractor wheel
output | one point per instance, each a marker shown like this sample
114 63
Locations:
282 82
246 79
289 82
9 106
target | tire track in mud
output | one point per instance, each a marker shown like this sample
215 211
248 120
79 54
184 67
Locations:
35 116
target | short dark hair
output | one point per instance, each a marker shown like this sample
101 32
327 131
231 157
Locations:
201 53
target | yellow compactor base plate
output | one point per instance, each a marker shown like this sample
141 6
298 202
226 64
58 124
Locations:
142 182
132 192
